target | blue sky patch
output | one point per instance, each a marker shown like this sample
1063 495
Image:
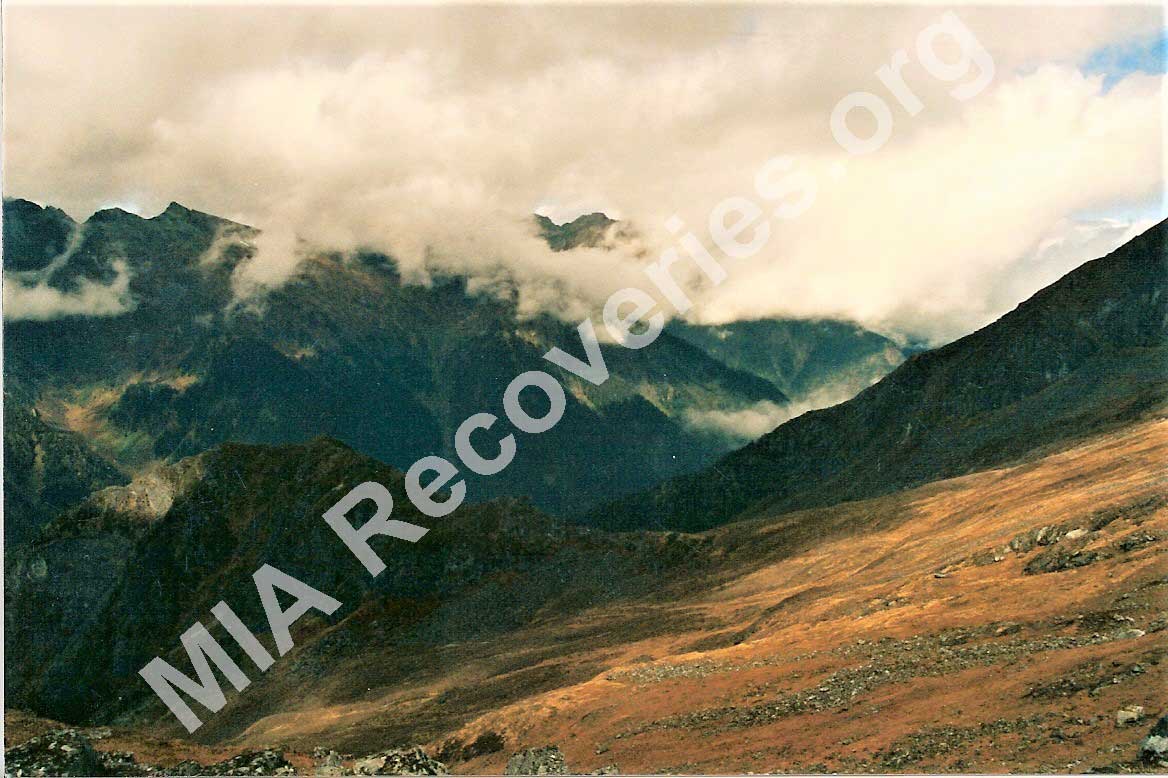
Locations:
1145 54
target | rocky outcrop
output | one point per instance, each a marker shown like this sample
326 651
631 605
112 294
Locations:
66 752
411 761
69 752
591 230
547 760
264 762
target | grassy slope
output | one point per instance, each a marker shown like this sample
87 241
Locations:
878 635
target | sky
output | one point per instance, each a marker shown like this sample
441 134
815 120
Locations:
433 133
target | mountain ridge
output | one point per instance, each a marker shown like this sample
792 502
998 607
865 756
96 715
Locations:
113 581
344 348
1088 351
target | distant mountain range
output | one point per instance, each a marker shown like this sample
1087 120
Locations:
347 349
1088 352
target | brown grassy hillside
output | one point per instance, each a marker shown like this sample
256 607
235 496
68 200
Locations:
811 645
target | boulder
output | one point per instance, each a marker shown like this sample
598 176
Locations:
327 762
264 762
1129 633
1129 715
1154 748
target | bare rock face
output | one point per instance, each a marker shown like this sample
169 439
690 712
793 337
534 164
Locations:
152 494
69 752
537 761
327 762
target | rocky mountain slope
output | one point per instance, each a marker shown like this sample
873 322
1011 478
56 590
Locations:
33 235
1087 353
45 471
114 581
1012 620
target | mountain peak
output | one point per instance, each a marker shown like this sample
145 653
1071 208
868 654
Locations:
19 205
34 234
112 214
587 231
175 209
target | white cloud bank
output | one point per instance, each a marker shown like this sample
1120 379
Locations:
433 133
40 302
744 424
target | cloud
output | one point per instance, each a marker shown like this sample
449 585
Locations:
41 302
273 257
743 424
434 133
923 237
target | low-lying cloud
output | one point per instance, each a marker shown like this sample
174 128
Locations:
742 425
38 301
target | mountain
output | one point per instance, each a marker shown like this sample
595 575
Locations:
1023 601
345 348
817 360
1084 354
115 580
592 230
